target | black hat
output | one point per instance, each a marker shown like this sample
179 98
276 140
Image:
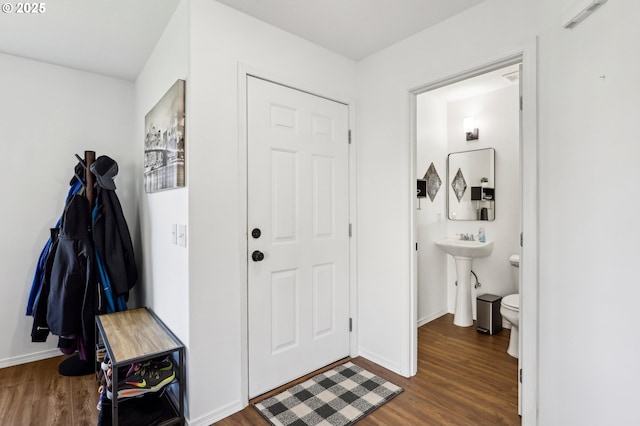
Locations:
105 169
78 174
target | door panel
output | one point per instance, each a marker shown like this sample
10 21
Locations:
285 320
323 196
323 291
283 195
298 197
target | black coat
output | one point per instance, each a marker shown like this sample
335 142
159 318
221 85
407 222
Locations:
113 242
40 329
73 285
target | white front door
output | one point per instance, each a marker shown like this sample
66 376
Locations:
298 233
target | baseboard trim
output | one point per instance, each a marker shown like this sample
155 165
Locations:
27 358
217 415
381 361
431 317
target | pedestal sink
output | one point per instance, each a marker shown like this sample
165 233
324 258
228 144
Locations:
464 252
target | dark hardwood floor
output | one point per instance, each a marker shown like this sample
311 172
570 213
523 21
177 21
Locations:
464 378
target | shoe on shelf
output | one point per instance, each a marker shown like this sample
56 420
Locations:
150 376
105 364
160 363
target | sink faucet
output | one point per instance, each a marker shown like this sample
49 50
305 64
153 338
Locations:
467 237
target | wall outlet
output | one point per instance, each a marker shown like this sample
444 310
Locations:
182 235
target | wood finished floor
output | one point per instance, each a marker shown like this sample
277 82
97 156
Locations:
35 394
464 378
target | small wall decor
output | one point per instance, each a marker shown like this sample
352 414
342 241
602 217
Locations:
459 185
164 161
433 181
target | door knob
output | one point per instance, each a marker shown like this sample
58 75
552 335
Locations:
256 233
257 256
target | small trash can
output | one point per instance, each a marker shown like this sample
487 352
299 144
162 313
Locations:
489 319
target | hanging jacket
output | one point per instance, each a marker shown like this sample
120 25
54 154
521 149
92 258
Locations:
40 329
113 243
109 303
73 288
38 277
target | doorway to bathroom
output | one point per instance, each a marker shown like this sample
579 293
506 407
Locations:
491 97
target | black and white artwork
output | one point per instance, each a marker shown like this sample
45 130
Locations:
433 181
164 161
459 185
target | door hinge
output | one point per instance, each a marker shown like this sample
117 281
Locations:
350 324
350 230
521 240
416 246
520 375
521 103
349 136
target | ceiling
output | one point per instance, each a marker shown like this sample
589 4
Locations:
353 28
479 85
111 37
115 37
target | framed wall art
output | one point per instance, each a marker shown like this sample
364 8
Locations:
164 160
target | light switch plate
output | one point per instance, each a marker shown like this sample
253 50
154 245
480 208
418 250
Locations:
182 235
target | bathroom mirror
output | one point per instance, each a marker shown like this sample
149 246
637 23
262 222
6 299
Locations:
471 191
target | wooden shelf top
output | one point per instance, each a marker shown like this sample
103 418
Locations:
135 333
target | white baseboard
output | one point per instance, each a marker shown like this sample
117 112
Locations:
431 317
217 415
381 361
24 359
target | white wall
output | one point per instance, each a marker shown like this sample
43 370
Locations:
439 132
496 114
219 42
589 174
165 270
490 31
431 219
49 113
587 339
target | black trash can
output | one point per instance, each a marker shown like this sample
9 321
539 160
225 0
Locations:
489 319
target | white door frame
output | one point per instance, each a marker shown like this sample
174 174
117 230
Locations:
529 261
243 72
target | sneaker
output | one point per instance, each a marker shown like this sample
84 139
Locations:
160 363
144 378
105 364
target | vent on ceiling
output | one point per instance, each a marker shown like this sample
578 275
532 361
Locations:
512 76
579 11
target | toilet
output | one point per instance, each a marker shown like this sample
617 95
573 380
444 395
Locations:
510 308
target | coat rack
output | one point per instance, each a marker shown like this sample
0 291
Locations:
89 158
73 365
101 239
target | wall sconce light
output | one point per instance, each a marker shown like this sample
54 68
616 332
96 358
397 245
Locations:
470 128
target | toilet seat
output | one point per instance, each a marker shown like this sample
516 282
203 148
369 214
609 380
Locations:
511 301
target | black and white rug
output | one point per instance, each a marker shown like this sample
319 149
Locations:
337 397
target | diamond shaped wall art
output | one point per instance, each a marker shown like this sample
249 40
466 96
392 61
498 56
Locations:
433 181
459 185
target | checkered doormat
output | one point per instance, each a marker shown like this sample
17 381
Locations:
337 397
